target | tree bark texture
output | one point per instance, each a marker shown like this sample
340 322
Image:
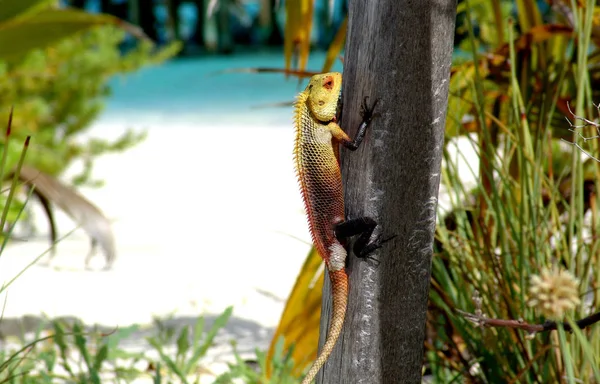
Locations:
399 51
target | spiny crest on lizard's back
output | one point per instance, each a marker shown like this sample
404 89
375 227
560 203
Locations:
301 116
300 110
312 149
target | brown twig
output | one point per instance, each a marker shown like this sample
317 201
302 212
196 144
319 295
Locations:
482 321
299 74
587 123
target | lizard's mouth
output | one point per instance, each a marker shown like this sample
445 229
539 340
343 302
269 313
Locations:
325 122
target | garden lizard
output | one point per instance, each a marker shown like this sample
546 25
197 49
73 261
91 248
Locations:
316 151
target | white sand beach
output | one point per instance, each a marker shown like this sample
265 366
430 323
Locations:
197 230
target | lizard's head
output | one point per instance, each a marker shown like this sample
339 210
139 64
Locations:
323 95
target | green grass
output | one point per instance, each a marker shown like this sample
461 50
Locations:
532 207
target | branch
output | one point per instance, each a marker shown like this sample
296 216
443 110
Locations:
587 123
581 149
482 321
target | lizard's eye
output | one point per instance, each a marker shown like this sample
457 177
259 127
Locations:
328 82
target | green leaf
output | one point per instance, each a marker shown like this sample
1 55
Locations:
100 357
566 353
588 351
47 27
167 360
49 359
17 9
158 377
183 343
112 340
81 343
59 339
198 330
59 336
200 350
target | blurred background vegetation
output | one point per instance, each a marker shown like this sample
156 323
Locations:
528 205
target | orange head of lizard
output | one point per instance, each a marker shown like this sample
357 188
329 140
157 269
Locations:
323 94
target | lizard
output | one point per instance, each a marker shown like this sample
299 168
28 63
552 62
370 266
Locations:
316 156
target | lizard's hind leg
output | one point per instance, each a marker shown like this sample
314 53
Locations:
363 227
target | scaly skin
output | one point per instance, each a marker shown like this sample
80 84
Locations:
317 165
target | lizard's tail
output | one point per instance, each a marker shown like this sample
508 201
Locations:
339 285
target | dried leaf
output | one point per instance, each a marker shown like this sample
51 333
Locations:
52 191
296 44
299 324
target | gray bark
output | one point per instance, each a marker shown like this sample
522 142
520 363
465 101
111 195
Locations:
399 51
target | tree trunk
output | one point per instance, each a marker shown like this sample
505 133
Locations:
147 19
173 18
198 36
78 4
399 51
224 36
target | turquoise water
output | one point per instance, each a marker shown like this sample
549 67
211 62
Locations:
193 90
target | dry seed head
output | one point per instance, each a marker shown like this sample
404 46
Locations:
554 291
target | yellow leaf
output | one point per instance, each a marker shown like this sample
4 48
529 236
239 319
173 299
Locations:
20 35
296 42
529 14
13 9
299 324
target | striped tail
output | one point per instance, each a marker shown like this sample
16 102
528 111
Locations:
339 284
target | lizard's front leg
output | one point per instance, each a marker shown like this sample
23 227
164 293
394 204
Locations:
367 114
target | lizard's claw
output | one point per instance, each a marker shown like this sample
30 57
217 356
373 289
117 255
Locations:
373 259
366 112
381 242
376 244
